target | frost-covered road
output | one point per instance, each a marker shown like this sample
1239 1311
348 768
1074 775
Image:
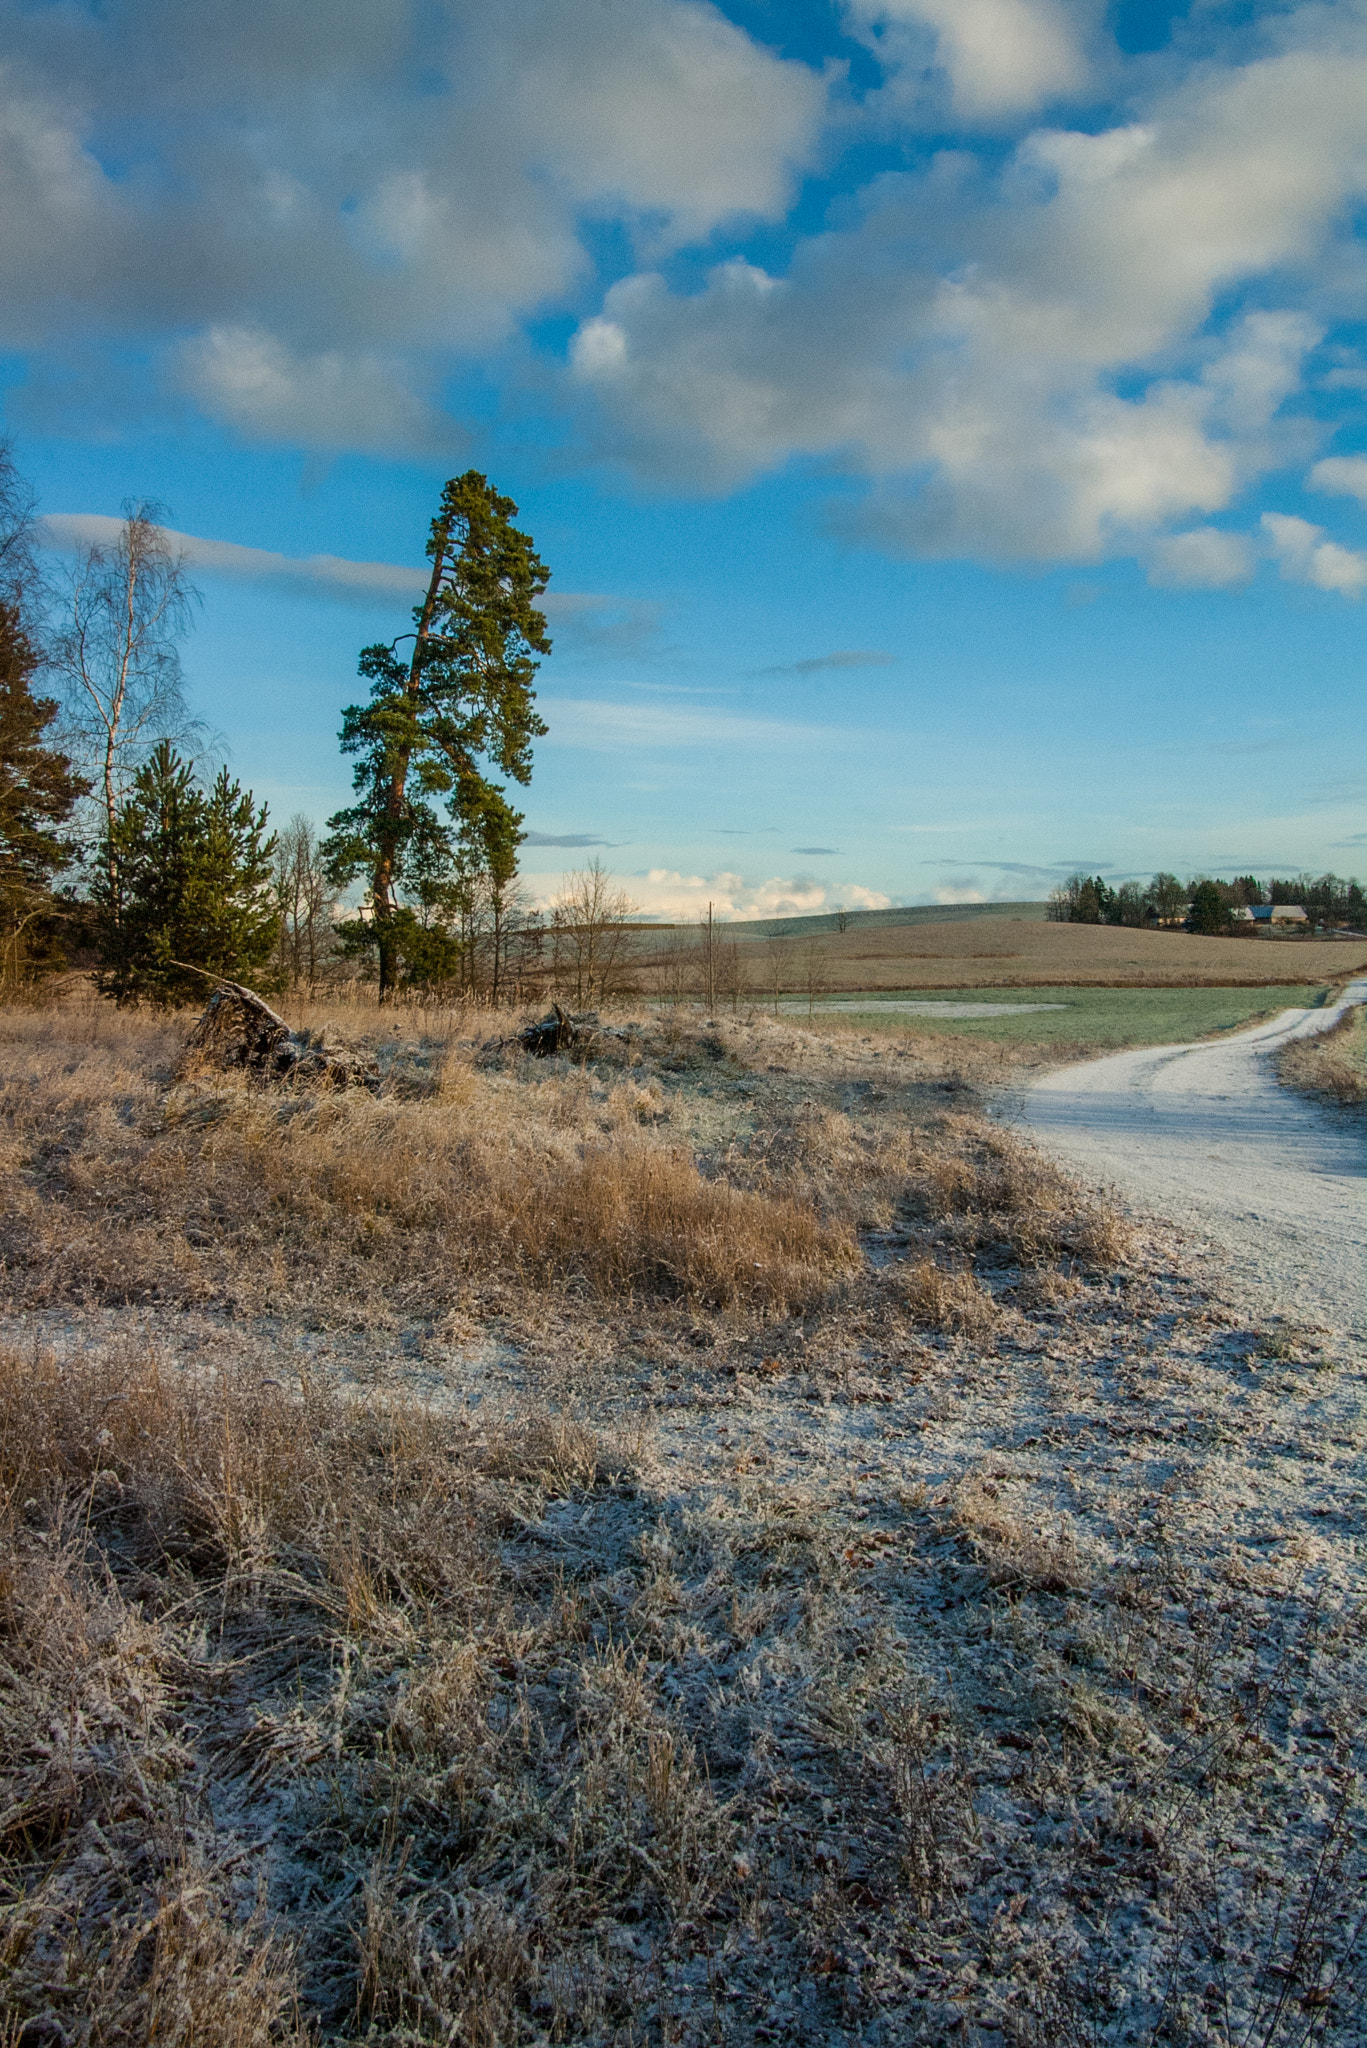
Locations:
1205 1135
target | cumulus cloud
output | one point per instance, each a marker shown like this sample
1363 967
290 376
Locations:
1000 56
1344 474
325 400
1057 344
669 893
1305 556
321 220
1037 363
1203 559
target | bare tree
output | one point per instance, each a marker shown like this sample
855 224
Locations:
123 610
306 904
707 934
778 960
672 970
733 976
816 977
593 942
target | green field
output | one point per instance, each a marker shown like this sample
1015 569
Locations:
1087 1016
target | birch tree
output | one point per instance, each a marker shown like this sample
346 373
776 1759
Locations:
123 609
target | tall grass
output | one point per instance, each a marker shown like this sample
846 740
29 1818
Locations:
1333 1063
131 1182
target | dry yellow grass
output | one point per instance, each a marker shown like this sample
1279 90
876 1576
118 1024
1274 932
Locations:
1334 1063
130 1179
793 1678
1001 952
131 1182
212 1582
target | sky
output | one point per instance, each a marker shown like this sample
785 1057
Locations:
943 419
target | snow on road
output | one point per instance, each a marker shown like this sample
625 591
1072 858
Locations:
1205 1135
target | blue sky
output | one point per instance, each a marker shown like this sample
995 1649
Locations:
943 418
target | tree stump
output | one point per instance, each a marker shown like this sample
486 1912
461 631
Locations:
238 1030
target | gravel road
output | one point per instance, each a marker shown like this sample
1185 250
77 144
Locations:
1205 1135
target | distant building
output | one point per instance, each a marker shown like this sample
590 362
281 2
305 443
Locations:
1275 913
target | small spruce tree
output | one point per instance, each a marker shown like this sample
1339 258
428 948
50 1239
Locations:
192 869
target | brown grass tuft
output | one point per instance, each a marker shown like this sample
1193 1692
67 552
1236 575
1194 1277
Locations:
945 1299
1016 1554
1333 1063
1002 1192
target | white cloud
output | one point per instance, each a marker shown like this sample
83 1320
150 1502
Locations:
659 107
1344 474
318 217
1203 559
602 724
328 575
588 618
1001 56
668 893
1306 556
1025 353
1020 367
958 892
254 383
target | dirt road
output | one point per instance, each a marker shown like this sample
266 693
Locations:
1205 1135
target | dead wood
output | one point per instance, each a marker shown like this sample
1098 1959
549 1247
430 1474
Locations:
239 1030
566 1031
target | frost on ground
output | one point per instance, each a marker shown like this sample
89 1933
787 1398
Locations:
966 1648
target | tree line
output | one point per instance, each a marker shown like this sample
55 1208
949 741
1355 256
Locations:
1207 904
123 845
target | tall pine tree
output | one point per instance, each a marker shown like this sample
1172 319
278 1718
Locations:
460 704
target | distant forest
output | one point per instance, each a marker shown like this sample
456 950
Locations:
1208 905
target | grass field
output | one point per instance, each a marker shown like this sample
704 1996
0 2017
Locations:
707 1541
1024 952
1092 1017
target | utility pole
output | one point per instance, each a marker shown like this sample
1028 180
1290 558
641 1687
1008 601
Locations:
711 966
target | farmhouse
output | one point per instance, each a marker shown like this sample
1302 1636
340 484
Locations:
1277 913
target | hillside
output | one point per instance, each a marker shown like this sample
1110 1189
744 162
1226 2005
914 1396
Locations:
1025 951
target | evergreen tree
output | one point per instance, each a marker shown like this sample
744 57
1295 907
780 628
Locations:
1210 913
462 702
187 883
38 791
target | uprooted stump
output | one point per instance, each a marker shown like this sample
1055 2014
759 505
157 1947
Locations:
556 1033
238 1030
563 1032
